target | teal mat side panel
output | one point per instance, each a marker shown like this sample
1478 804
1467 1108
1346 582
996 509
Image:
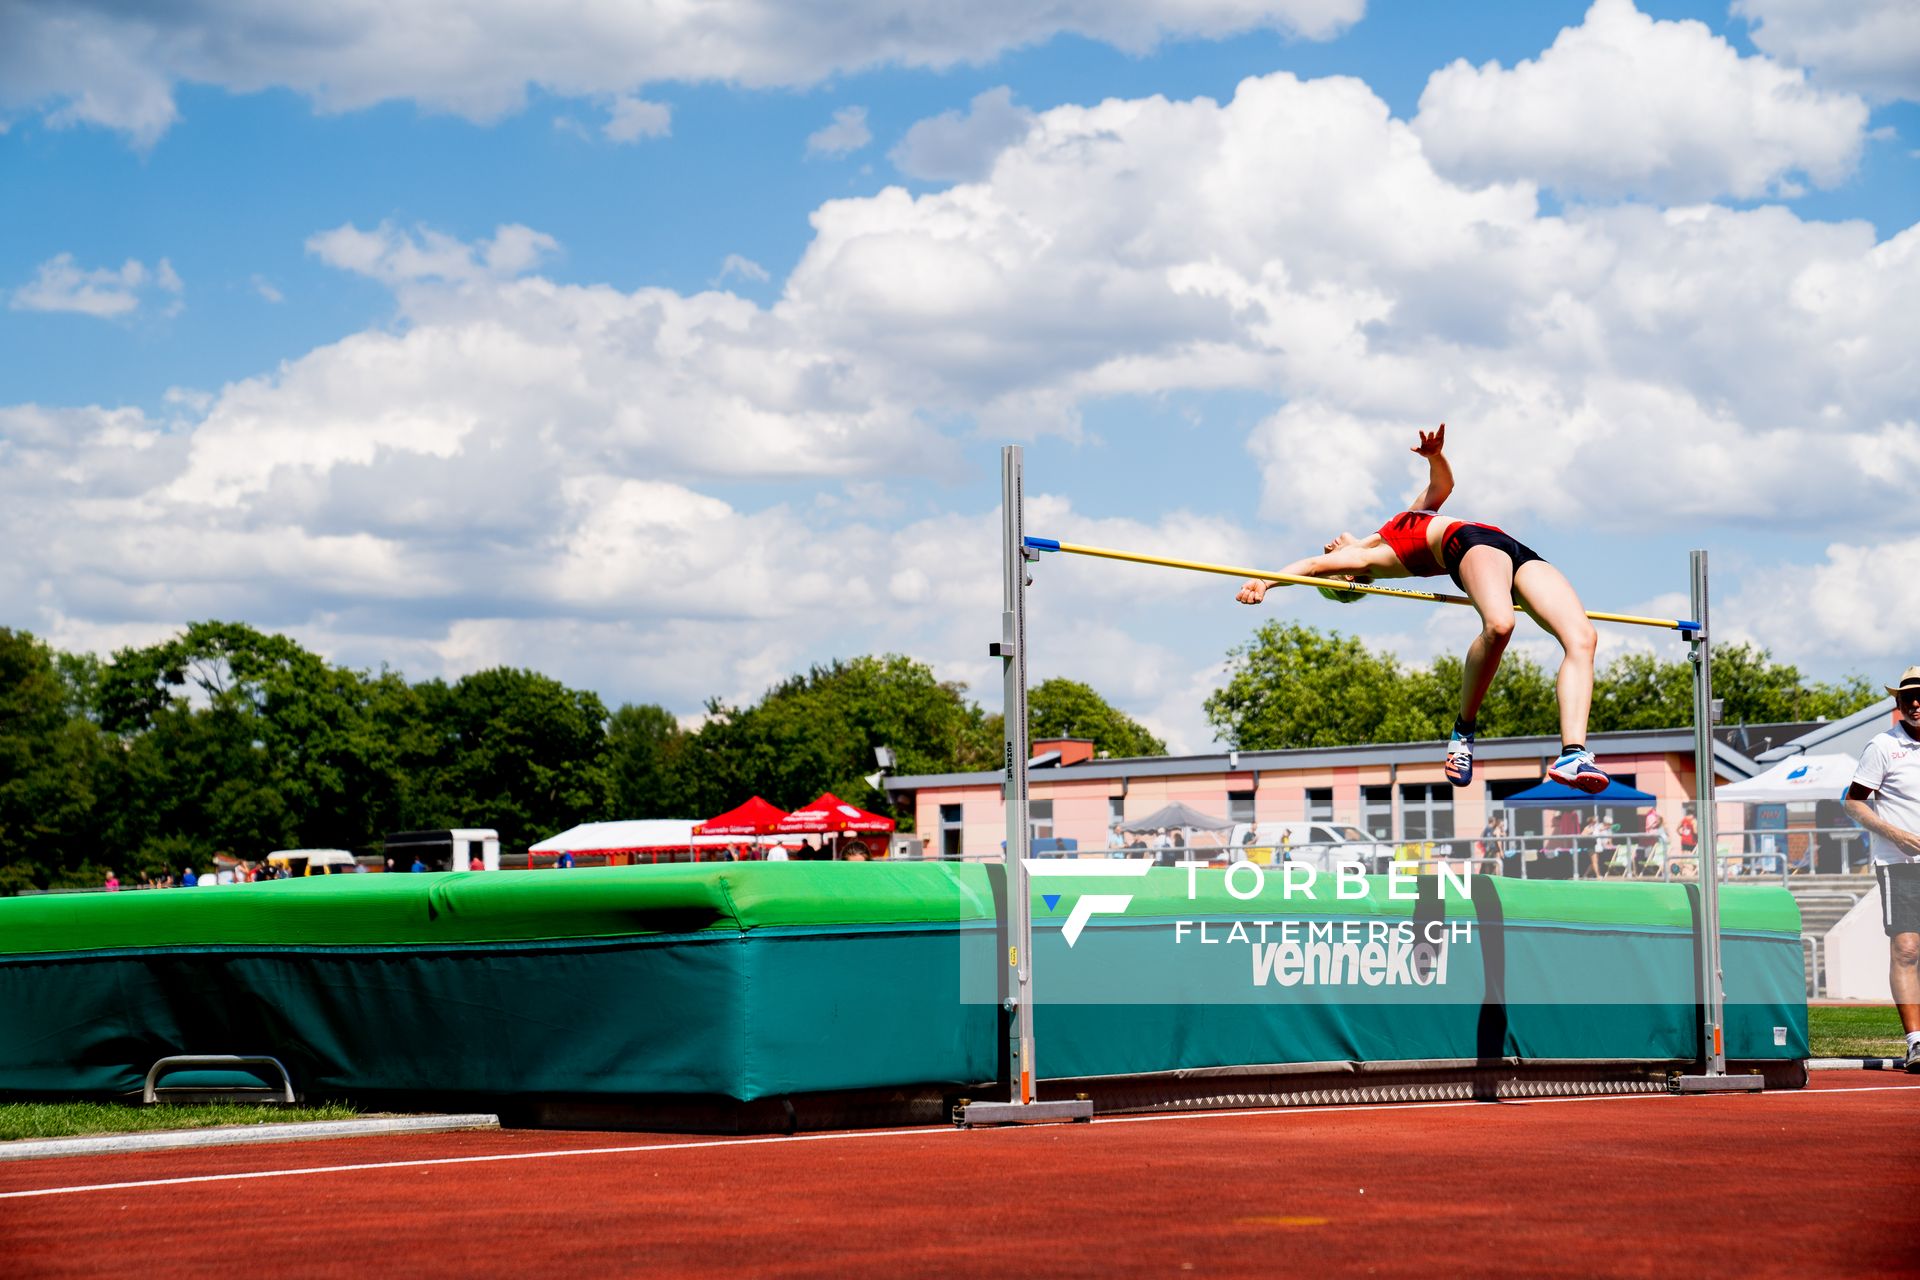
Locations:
835 1008
1766 983
663 1016
748 981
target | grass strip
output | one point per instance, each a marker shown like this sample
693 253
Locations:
78 1119
1855 1031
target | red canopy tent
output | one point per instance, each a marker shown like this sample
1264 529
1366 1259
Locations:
831 813
754 818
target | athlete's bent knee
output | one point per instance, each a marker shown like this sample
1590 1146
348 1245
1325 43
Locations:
1906 948
1498 630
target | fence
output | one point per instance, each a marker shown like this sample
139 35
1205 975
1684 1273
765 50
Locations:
1745 853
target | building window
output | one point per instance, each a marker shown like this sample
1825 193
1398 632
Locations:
1116 809
1040 816
1426 810
950 827
1240 806
1376 812
1319 804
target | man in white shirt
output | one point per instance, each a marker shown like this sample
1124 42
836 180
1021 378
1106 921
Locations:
1885 799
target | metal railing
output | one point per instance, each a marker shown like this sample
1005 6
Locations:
1616 856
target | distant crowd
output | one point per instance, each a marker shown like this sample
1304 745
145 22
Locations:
238 873
241 872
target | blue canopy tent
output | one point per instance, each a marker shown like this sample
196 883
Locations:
1554 795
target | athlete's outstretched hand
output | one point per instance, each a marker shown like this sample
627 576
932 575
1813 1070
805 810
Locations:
1432 442
1253 591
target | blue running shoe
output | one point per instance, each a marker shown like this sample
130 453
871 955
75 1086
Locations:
1459 760
1576 769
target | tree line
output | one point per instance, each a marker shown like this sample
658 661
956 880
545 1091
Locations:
226 739
1292 686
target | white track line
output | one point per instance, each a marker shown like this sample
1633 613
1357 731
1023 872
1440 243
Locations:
862 1134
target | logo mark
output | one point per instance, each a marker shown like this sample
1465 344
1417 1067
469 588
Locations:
1091 904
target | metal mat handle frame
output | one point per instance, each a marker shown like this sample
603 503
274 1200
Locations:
150 1094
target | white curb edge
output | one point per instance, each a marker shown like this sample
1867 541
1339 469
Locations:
1855 1064
226 1135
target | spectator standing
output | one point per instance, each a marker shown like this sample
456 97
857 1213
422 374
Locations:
1688 833
1884 798
1597 844
1493 841
1116 842
565 861
417 864
187 878
113 881
1656 852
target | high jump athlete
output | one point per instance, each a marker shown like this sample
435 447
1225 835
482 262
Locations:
1494 569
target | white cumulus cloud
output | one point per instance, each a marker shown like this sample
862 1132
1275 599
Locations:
101 62
1624 104
395 257
630 119
61 284
513 466
847 133
1868 46
959 146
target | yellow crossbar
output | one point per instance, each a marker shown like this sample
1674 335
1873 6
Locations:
1404 593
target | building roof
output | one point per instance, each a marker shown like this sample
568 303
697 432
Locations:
1846 736
1542 747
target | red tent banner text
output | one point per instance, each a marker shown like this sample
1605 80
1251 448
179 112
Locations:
754 818
831 813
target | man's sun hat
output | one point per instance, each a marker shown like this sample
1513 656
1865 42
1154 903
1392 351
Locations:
1909 682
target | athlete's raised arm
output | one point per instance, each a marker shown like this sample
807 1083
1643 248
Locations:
1439 474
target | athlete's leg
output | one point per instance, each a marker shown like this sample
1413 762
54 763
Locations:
1550 598
1487 574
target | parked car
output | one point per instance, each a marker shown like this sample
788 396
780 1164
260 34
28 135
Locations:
314 862
1322 845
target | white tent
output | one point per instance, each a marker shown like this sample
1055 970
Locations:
634 835
1796 778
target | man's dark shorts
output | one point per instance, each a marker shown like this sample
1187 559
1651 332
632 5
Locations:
1463 537
1899 896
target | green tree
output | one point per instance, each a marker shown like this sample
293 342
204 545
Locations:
243 741
816 732
644 744
514 750
1639 691
53 767
1293 686
1519 702
1061 708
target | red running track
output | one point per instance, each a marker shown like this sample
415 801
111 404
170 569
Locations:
1822 1181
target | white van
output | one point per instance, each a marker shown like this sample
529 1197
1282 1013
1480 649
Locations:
313 862
1322 845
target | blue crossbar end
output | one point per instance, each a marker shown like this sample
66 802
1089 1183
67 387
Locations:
1686 628
1042 544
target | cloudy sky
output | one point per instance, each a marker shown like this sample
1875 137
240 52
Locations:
668 349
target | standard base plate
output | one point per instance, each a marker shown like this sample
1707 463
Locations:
1718 1084
973 1113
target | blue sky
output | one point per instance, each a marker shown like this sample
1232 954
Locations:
402 345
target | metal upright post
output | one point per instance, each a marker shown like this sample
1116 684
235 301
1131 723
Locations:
1712 995
1011 649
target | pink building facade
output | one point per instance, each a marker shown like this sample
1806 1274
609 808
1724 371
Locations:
1395 792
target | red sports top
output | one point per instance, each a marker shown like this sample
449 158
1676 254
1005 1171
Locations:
1406 533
